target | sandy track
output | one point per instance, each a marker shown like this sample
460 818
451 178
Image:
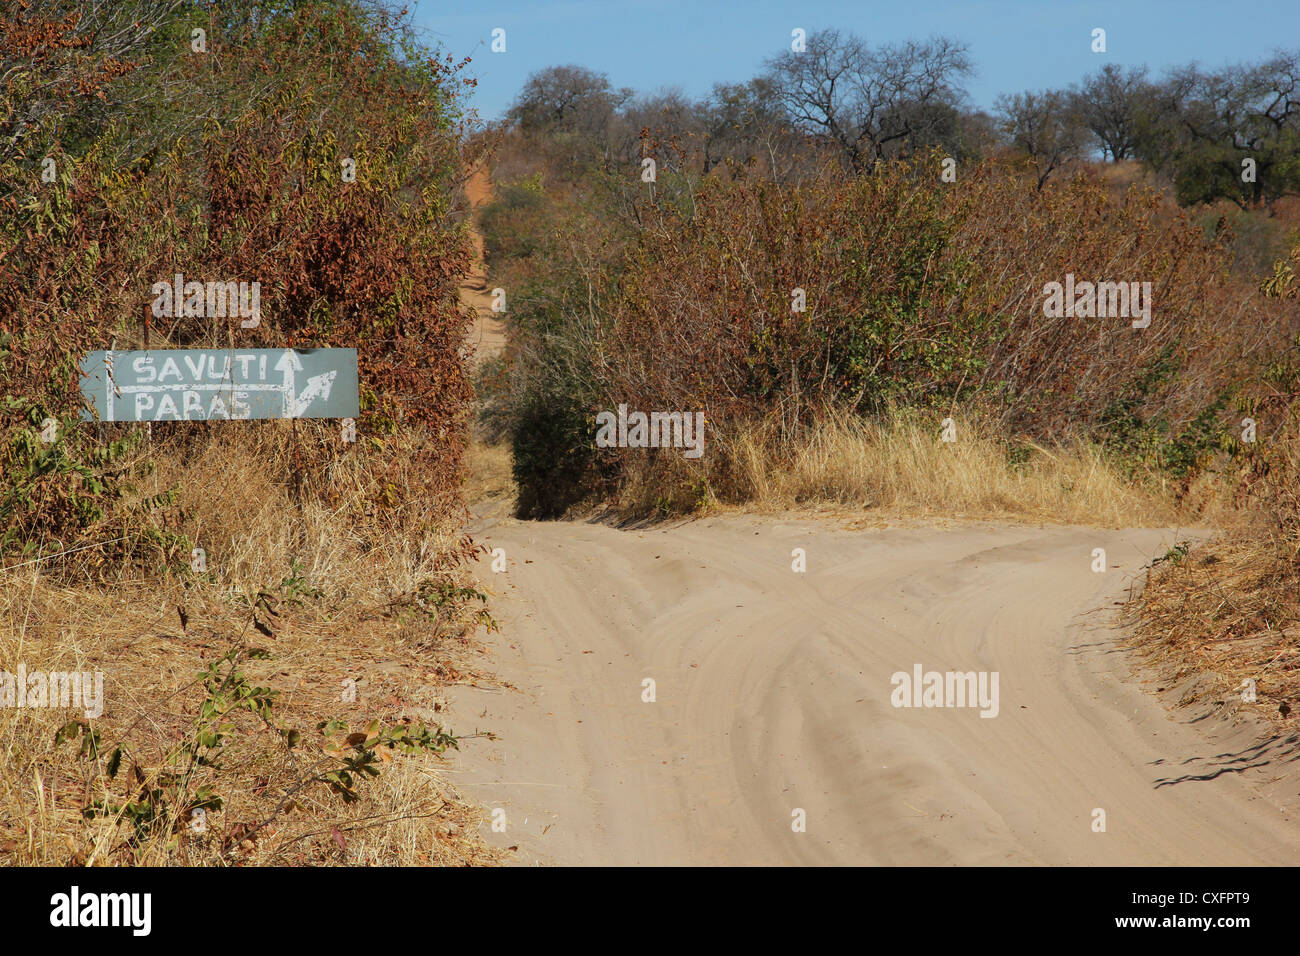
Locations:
488 335
773 693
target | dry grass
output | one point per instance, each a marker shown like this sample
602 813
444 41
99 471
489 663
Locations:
1228 610
901 467
352 614
238 495
489 478
1222 614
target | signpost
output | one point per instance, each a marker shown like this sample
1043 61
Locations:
174 385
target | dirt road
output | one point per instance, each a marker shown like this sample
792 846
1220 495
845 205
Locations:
773 694
488 336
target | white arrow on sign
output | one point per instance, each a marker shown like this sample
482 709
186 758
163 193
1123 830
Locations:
318 386
289 364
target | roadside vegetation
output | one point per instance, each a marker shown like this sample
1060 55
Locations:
273 606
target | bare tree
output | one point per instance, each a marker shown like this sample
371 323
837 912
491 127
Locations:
664 122
1044 128
978 133
871 103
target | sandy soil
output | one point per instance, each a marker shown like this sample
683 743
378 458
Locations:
773 693
489 335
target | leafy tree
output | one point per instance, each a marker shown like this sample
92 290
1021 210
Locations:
741 121
1206 125
1110 104
569 99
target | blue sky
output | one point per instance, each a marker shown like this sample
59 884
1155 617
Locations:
691 44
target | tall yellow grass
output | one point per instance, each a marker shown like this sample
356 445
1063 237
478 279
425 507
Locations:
900 465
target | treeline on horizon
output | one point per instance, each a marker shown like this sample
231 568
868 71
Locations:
864 104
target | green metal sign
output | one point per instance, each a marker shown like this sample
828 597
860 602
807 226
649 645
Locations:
198 385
